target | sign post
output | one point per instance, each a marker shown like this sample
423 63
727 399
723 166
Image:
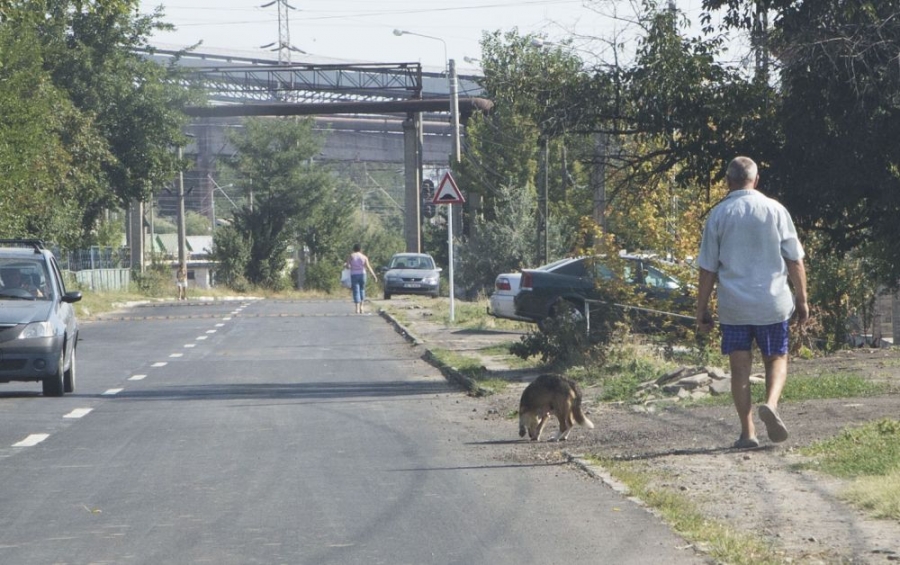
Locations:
448 193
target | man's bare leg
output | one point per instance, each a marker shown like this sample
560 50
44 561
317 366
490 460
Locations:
741 362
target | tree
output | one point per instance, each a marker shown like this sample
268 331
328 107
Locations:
294 199
116 114
51 157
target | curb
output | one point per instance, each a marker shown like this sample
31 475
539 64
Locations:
450 373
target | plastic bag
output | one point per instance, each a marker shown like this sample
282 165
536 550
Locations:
345 278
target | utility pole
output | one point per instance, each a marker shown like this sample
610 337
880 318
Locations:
543 206
182 244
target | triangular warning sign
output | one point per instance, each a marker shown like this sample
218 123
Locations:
447 191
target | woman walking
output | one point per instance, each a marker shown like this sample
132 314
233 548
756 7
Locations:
358 263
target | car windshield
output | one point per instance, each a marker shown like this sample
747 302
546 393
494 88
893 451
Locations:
423 263
651 277
23 279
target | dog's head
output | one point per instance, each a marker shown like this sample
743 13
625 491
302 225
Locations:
529 422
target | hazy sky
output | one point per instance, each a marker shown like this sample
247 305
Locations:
362 30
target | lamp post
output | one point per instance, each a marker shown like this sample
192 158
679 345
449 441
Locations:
182 233
450 68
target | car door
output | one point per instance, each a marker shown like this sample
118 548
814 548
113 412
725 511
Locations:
65 312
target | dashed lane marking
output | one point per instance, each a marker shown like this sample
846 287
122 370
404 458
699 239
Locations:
31 440
137 377
112 392
79 413
176 355
160 364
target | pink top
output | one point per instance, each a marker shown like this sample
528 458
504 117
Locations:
357 264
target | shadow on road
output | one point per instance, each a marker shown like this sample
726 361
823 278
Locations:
293 391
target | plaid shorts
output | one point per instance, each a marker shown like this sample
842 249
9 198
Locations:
771 339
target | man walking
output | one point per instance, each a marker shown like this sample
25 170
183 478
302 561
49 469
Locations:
750 246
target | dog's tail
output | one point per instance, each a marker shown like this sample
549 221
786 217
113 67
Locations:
576 408
581 418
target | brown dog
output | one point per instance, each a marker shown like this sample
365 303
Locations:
551 394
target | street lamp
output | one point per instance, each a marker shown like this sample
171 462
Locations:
399 32
454 92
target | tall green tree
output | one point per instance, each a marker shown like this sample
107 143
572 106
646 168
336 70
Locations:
51 156
294 198
89 51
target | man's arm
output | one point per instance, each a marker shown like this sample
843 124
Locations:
797 275
704 291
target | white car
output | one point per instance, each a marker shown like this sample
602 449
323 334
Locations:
506 286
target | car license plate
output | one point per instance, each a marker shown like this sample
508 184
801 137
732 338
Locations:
411 285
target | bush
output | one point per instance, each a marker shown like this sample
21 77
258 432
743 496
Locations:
156 281
324 276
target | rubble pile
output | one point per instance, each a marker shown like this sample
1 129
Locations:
688 383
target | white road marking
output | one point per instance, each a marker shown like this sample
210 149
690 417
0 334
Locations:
227 318
177 355
160 364
137 377
189 345
211 331
219 325
31 440
202 337
79 413
112 391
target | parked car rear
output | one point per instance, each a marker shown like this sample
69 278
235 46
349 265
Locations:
565 290
506 287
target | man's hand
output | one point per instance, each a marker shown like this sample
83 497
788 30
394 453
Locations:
705 321
801 310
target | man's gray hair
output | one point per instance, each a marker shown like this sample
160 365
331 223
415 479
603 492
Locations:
741 171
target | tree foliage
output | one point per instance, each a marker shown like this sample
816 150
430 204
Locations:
108 117
294 199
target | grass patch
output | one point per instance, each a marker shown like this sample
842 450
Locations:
869 455
870 449
471 368
826 385
807 387
721 542
879 496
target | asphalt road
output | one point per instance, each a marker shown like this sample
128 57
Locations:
283 432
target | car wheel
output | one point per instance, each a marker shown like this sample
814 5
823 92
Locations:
566 310
69 376
53 384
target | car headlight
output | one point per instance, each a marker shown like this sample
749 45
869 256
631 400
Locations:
431 280
37 329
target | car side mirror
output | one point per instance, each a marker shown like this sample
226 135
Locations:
71 297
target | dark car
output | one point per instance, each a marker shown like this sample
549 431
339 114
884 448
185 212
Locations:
38 329
506 287
412 273
567 289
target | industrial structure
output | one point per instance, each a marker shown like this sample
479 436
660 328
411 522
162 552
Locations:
380 113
